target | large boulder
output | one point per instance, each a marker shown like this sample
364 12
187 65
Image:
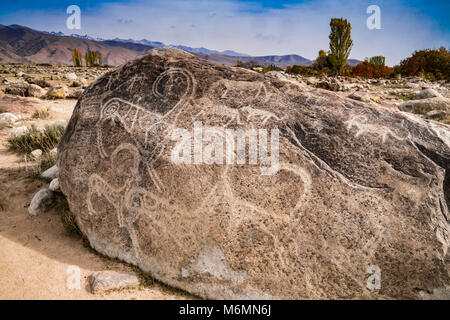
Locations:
349 192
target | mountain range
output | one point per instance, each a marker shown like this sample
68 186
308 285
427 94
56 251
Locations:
26 45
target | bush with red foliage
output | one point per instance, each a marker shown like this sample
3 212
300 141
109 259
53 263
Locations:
371 70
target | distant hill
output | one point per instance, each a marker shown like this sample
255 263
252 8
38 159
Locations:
279 61
353 62
22 44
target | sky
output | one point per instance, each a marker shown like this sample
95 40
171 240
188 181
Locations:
267 27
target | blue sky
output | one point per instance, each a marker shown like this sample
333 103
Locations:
250 26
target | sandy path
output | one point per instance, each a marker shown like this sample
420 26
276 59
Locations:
35 252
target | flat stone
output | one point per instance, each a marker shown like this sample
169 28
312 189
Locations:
101 281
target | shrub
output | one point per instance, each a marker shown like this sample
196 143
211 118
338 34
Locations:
431 64
367 69
93 58
302 70
35 138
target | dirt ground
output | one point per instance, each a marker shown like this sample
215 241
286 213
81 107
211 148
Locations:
36 251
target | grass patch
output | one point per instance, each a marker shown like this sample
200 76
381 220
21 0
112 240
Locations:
41 114
45 162
36 138
406 98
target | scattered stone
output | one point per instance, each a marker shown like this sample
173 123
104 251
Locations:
35 91
57 92
19 88
35 154
101 281
53 152
8 119
54 185
75 94
18 131
41 201
50 174
423 106
436 115
70 76
427 93
360 96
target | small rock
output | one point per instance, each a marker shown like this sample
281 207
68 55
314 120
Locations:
18 89
54 152
7 118
423 106
70 76
57 92
35 154
435 115
54 185
18 131
75 94
427 93
50 174
41 201
360 96
101 281
35 91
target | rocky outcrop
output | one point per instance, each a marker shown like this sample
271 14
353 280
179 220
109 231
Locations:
353 192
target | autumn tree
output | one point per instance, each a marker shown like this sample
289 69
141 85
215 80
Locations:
340 43
322 63
93 58
76 58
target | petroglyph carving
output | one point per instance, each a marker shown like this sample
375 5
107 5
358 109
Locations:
363 127
237 94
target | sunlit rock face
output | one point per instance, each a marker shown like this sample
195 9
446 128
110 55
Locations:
351 200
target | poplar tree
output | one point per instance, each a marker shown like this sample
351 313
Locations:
340 43
76 58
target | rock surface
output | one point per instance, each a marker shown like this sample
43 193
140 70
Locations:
101 281
357 185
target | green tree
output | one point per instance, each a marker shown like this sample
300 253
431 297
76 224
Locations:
93 58
322 63
76 58
378 60
340 43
